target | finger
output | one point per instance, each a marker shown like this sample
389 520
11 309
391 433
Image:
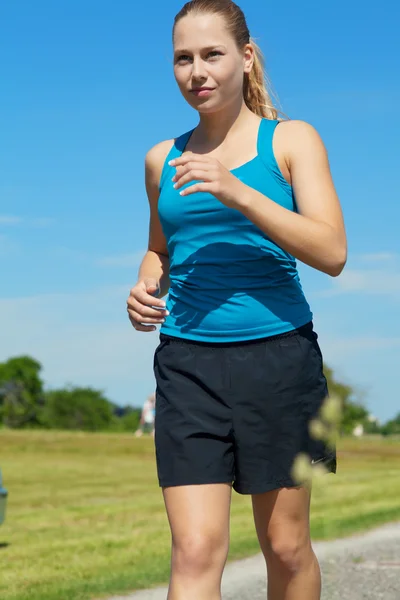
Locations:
199 187
188 156
147 299
150 282
195 175
151 286
138 318
146 311
192 166
142 326
139 327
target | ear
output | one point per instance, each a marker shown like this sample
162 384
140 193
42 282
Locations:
248 58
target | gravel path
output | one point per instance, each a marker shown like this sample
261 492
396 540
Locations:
362 567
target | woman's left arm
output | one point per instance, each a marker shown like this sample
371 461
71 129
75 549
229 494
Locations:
316 233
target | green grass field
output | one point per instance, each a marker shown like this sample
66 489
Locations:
86 518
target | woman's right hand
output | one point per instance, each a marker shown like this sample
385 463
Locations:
141 299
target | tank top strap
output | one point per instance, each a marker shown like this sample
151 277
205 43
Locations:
177 149
266 152
265 137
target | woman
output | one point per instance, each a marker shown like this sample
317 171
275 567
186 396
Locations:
238 368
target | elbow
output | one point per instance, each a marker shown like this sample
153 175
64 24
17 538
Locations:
338 263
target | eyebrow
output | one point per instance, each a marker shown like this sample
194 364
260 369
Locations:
206 49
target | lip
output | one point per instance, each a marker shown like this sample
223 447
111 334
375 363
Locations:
202 91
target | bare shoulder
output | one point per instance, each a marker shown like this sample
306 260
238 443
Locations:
295 136
154 162
155 159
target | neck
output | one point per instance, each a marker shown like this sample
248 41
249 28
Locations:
214 128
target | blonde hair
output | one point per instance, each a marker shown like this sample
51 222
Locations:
256 87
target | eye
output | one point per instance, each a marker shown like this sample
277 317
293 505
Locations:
182 58
214 54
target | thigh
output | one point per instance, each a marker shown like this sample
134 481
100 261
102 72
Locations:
199 517
282 518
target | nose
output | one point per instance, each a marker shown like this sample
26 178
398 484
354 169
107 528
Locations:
198 70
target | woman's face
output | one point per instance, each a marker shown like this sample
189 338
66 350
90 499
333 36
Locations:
208 66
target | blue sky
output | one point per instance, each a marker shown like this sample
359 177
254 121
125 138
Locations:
88 88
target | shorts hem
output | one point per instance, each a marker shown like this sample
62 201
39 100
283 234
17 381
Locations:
268 487
165 484
262 488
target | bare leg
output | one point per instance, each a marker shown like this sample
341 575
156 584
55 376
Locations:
199 521
283 528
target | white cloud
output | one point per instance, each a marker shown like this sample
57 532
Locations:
129 261
379 257
26 221
371 281
9 220
41 222
123 260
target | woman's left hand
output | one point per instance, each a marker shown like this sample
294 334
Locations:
212 177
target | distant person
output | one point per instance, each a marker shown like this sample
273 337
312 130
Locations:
146 424
234 201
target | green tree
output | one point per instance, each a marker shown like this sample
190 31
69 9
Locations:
392 427
129 418
21 392
353 412
77 408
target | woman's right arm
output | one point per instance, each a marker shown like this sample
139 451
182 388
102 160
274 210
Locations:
154 270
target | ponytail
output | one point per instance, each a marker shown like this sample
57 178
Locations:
255 88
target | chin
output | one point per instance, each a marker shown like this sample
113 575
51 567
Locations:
205 107
207 110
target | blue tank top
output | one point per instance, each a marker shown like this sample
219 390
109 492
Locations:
229 282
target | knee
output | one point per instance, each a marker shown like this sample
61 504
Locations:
291 551
193 555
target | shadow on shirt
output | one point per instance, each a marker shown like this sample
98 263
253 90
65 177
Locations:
236 274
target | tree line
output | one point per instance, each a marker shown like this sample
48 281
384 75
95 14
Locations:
24 403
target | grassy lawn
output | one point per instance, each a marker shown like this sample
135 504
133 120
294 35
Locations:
86 518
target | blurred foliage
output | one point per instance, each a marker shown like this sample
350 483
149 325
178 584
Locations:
85 409
25 404
21 392
353 411
392 427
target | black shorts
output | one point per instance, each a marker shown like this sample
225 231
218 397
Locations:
238 413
